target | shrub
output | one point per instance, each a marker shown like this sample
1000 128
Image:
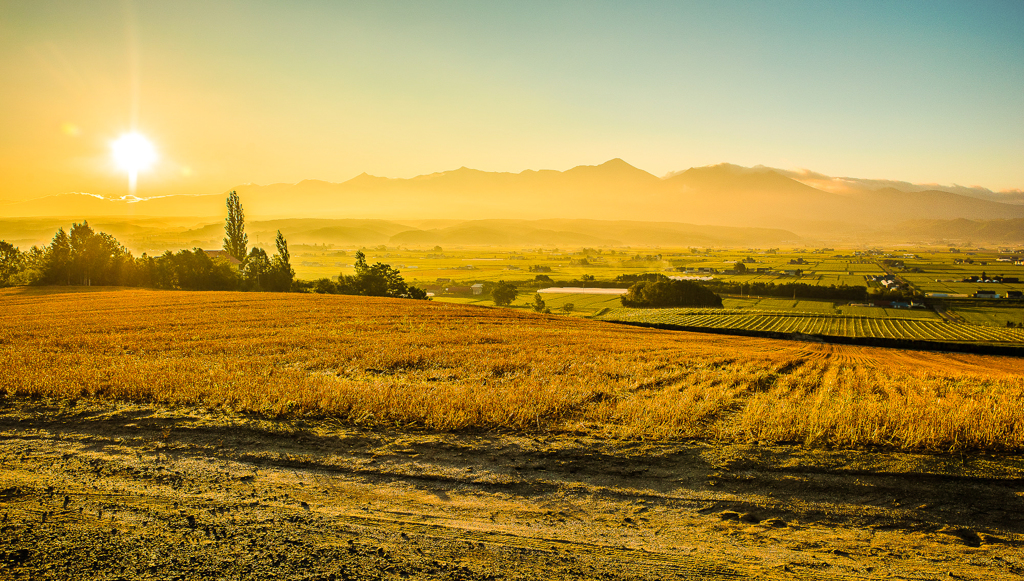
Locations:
671 293
503 294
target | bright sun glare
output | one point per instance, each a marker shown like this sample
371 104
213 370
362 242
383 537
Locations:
133 152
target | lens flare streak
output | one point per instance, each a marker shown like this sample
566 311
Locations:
133 153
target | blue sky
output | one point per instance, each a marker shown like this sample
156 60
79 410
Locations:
234 92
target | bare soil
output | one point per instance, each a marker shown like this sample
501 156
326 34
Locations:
94 490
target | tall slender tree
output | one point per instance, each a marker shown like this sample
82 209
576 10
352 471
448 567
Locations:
282 249
236 241
281 274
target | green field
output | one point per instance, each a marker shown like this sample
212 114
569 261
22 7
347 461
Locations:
991 316
880 312
927 270
825 308
820 324
585 304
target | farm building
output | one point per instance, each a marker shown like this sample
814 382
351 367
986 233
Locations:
478 289
223 255
459 290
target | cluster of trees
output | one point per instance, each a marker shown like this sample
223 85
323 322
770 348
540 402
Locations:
669 293
541 307
902 294
644 277
642 259
504 293
378 280
83 256
10 262
80 256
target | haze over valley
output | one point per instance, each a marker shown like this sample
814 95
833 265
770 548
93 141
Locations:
717 205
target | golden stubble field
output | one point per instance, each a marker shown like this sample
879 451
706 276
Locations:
392 363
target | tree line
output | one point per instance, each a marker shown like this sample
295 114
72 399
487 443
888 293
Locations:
84 256
669 293
377 280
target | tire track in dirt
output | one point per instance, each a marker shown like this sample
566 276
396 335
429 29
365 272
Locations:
142 493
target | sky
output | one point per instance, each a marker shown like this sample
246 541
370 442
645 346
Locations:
234 92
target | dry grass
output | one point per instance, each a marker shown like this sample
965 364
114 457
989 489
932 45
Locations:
436 366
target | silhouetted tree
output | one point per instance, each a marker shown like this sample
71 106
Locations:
504 293
96 257
670 293
379 280
282 249
281 275
739 268
324 286
195 270
10 262
57 269
85 257
33 266
256 267
538 303
235 241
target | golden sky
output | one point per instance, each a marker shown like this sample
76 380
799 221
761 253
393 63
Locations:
235 92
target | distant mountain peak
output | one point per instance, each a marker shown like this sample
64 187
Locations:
723 168
612 167
365 178
616 162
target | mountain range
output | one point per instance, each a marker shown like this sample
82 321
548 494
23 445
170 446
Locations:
154 235
719 195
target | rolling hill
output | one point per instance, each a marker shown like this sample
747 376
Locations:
719 195
961 231
150 235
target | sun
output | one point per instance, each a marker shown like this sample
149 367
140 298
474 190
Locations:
133 153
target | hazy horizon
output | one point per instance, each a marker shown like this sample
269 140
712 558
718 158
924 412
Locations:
838 184
265 93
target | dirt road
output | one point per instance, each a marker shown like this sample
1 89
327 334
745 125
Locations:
94 491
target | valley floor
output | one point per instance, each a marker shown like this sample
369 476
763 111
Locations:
113 491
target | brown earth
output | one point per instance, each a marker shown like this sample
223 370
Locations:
104 491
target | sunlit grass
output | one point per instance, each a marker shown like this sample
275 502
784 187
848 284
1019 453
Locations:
434 366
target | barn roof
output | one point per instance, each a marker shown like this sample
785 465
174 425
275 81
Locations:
223 255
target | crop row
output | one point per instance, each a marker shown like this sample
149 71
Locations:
820 324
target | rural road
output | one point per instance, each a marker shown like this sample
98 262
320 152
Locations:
97 491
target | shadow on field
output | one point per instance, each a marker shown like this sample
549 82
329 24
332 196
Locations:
865 488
